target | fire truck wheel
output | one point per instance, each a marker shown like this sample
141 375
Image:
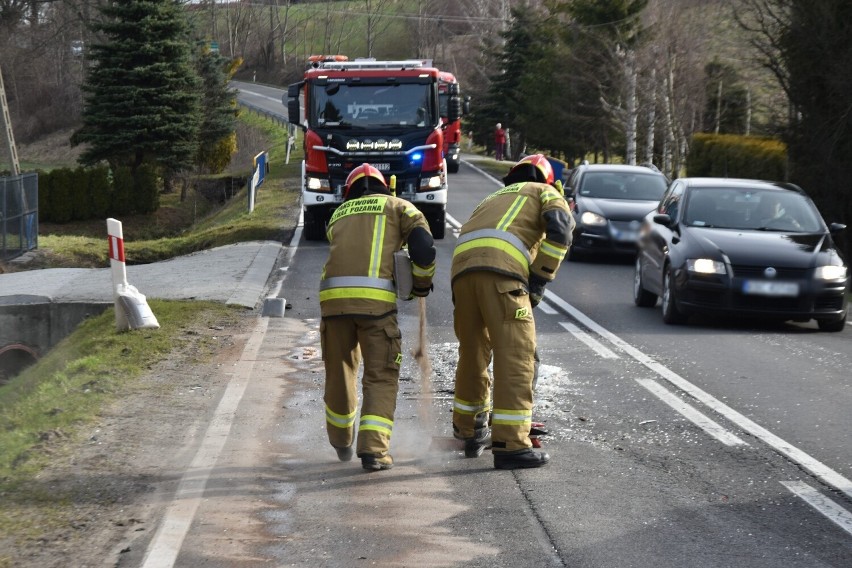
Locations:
314 226
437 224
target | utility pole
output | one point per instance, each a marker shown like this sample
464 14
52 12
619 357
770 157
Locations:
7 129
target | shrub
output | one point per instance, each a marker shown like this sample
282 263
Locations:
730 155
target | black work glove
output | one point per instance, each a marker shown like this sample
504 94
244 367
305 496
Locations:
536 288
422 292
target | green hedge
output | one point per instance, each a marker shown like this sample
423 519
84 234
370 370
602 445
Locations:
731 155
79 194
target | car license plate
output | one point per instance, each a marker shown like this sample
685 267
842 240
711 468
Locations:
626 236
763 288
381 167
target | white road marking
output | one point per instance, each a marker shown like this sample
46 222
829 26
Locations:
588 340
486 174
453 222
691 413
164 548
547 308
820 470
258 95
831 510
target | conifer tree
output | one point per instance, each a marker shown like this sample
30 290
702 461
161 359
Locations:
142 92
217 132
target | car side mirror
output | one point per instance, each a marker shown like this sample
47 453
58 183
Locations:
663 219
835 228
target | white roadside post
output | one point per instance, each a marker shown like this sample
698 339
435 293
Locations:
131 308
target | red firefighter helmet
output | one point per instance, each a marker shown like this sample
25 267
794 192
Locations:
540 163
361 176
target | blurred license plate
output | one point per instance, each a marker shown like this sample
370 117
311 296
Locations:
762 288
381 167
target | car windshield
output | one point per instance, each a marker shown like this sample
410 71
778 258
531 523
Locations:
372 106
623 185
752 209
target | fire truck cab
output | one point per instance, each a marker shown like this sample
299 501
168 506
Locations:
385 113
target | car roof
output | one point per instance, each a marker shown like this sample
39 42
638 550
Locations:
710 182
618 168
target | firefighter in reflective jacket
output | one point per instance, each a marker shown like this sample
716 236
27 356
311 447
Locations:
358 306
508 250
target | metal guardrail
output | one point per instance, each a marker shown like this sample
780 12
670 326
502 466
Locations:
273 116
18 215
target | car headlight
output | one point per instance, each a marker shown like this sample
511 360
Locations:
705 266
589 218
830 272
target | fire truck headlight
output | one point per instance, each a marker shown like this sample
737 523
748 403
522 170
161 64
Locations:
433 182
318 184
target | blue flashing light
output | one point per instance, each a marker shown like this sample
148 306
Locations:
416 157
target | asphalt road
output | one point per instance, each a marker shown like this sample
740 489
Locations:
708 445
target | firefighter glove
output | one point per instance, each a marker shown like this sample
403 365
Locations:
421 292
536 288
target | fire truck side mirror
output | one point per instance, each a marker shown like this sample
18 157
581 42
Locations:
466 105
294 112
454 108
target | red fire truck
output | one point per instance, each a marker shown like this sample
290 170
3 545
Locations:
382 112
452 129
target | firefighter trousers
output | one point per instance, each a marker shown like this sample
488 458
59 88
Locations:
344 340
493 319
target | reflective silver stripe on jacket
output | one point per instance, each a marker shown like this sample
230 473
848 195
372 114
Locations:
496 234
357 282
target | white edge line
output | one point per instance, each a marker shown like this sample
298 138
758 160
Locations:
165 546
691 414
486 174
828 508
588 340
818 469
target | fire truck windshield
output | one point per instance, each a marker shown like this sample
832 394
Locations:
373 106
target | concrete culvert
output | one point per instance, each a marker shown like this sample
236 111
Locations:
13 360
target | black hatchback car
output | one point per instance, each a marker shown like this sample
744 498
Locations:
741 247
609 202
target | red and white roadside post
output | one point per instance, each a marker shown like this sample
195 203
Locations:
131 308
118 268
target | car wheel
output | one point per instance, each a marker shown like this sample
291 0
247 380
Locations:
671 314
642 297
832 324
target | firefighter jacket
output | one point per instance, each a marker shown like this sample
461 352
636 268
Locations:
521 230
363 235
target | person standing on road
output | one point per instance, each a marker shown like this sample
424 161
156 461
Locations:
499 142
358 307
508 250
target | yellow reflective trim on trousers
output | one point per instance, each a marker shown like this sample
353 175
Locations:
473 408
378 241
376 424
511 417
357 293
339 420
499 244
421 271
550 250
513 211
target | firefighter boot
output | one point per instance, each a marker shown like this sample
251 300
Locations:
473 447
376 463
344 454
520 459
